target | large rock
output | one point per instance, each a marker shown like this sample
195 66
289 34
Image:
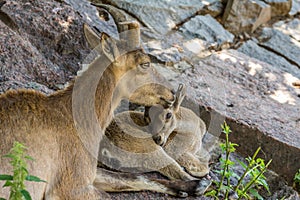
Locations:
252 49
17 69
207 29
167 49
91 16
295 8
214 9
196 37
175 47
160 16
245 15
279 7
282 44
51 29
291 28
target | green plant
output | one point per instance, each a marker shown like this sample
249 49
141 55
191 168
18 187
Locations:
297 178
296 183
254 171
20 173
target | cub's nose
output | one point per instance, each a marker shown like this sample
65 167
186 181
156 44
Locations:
158 139
173 91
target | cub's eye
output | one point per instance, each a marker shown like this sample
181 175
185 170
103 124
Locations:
168 115
145 65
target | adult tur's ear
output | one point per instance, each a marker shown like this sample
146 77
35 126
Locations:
92 38
109 47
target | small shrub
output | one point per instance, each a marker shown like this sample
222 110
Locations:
297 177
254 170
297 181
20 173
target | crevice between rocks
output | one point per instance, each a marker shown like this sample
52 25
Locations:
6 19
279 54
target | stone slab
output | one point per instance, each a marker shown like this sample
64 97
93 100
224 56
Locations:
214 9
245 15
289 27
161 16
282 44
207 29
90 15
295 8
253 50
197 36
279 7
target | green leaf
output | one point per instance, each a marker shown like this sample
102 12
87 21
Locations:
26 194
2 199
9 156
297 177
235 175
29 158
225 128
264 183
6 177
7 184
34 179
230 163
25 170
211 193
254 193
242 163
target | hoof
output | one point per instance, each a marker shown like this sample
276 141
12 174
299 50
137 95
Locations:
182 194
202 186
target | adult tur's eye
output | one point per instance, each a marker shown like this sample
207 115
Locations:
168 115
145 65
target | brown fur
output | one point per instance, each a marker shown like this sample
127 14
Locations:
128 143
45 124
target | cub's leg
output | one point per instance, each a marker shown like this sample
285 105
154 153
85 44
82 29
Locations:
175 171
193 165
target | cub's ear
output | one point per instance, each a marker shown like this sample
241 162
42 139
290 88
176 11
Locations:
109 47
180 94
92 38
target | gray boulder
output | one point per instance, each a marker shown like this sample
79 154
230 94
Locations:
279 7
252 49
161 16
295 8
282 44
245 15
207 29
290 28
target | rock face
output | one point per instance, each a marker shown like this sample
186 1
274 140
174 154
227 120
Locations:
166 49
47 47
207 29
295 7
245 15
160 16
252 49
290 28
214 9
282 44
17 68
91 16
280 7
